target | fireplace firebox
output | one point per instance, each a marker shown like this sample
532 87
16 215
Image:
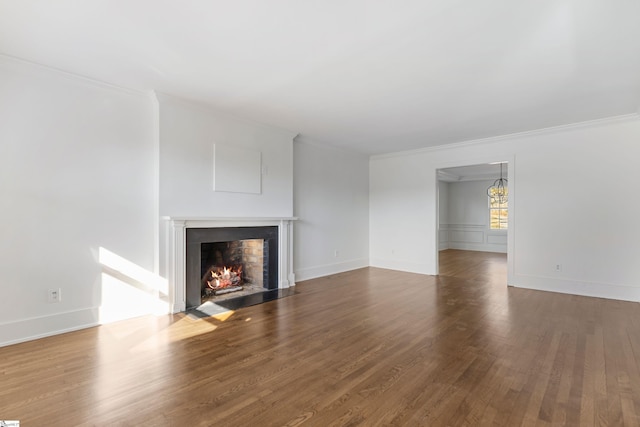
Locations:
221 262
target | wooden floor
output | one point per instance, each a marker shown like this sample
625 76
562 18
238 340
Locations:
369 347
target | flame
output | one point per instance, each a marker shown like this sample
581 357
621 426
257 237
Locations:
223 277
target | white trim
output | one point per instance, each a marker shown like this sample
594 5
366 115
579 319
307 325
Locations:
515 135
32 328
73 76
329 269
227 221
401 265
176 249
472 237
623 292
466 226
177 266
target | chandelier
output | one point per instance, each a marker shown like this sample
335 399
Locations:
499 192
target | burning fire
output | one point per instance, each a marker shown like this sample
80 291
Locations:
222 277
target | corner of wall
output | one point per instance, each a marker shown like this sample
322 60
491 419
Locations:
329 269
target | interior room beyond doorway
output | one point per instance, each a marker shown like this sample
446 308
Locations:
473 212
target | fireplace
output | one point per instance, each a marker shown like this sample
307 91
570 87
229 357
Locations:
230 261
233 267
183 238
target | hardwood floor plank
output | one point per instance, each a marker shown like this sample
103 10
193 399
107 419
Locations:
364 348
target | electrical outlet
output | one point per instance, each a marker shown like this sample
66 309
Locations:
54 295
558 268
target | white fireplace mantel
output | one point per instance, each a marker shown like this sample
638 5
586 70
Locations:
175 245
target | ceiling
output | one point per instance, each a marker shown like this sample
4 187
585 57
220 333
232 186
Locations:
366 75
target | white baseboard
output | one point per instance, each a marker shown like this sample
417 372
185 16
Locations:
329 269
409 267
44 326
574 287
479 247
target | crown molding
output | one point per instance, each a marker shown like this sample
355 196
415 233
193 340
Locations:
490 140
447 177
73 76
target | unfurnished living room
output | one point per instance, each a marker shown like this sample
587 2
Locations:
285 213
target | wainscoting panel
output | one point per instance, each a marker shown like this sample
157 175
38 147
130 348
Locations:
497 239
443 237
461 236
473 237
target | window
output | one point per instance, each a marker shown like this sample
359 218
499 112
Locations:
498 212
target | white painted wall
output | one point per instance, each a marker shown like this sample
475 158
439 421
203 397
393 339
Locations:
331 199
467 221
558 212
443 215
402 213
188 132
76 174
468 203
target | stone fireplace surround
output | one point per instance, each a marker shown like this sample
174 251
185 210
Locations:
175 246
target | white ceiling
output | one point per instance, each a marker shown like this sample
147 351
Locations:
368 75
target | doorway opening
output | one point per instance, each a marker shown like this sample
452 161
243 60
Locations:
472 223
